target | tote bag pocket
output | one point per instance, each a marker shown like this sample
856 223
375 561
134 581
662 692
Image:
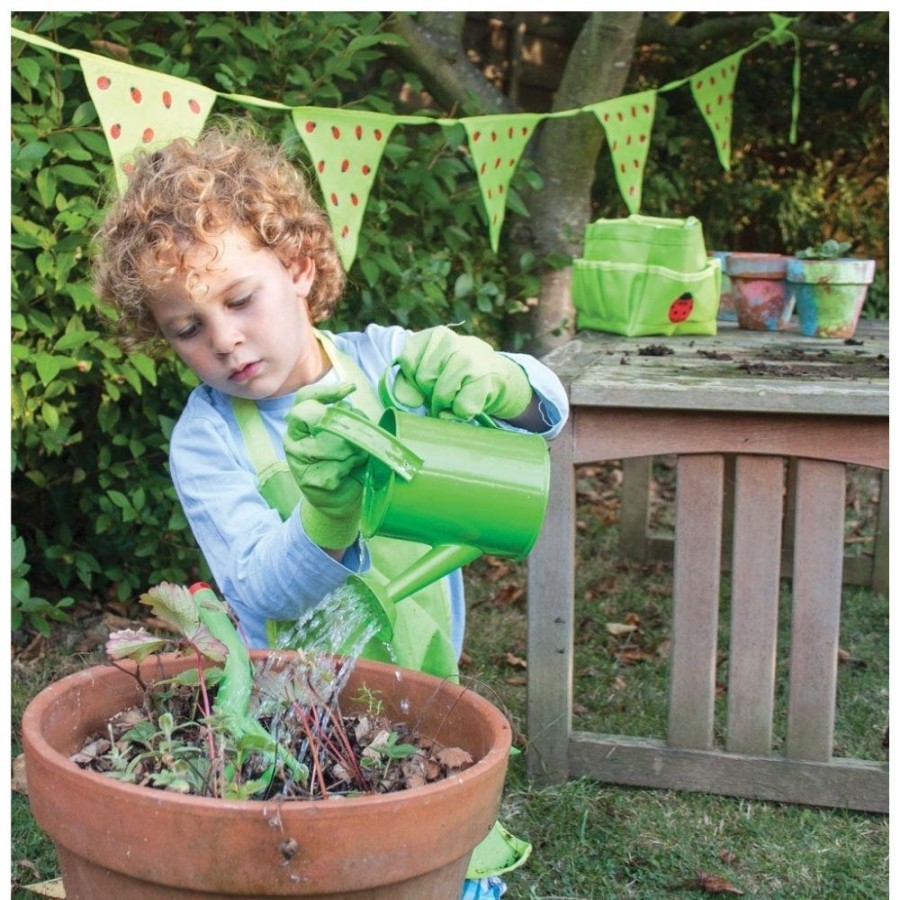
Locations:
648 241
633 299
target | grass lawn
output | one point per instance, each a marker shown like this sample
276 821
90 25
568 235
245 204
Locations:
595 840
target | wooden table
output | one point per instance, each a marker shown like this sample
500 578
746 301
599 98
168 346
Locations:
765 403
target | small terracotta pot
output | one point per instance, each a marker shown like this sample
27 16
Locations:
759 290
829 294
118 841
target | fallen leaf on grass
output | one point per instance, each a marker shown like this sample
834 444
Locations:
620 629
52 888
517 681
631 656
19 783
713 884
516 661
508 595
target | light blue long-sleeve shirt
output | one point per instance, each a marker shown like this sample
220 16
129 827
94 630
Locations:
265 567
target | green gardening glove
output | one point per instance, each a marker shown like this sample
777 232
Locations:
328 469
461 373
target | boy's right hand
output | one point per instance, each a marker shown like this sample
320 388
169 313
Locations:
327 469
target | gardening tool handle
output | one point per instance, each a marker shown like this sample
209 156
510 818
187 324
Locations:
358 429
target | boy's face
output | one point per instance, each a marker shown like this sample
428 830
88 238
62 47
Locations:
249 333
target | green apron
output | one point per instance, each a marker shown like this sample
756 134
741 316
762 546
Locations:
421 638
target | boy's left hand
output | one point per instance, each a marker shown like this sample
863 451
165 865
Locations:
461 373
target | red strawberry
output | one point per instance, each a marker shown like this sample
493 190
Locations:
147 136
681 308
167 100
345 165
335 132
358 131
195 106
115 131
103 83
378 134
366 169
310 127
136 95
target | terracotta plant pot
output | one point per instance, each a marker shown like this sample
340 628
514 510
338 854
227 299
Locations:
759 290
726 296
829 294
118 841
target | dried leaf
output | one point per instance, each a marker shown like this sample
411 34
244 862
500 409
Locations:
52 888
455 757
134 644
713 884
620 629
19 781
516 661
632 656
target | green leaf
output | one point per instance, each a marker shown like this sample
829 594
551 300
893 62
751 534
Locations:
145 365
75 339
173 604
47 366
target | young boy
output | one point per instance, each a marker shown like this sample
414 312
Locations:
218 248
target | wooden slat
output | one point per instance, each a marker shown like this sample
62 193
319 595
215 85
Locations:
880 580
756 562
620 433
647 762
815 620
695 607
551 591
634 514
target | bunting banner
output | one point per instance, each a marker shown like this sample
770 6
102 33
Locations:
142 109
496 144
713 90
628 121
346 148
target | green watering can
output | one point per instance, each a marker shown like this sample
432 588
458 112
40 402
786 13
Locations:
466 489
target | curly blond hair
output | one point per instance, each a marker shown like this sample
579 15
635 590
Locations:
185 196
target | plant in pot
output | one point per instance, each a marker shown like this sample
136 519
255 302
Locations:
829 288
223 773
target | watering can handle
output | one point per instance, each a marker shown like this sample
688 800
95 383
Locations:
389 400
358 429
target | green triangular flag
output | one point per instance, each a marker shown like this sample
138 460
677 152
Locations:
142 109
346 148
628 121
496 144
713 91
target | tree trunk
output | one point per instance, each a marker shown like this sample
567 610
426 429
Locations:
565 150
566 157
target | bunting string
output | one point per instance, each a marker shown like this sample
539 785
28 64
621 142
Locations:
142 109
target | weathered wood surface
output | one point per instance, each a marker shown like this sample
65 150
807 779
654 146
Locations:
735 370
649 762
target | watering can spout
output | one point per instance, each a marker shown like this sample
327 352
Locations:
380 599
